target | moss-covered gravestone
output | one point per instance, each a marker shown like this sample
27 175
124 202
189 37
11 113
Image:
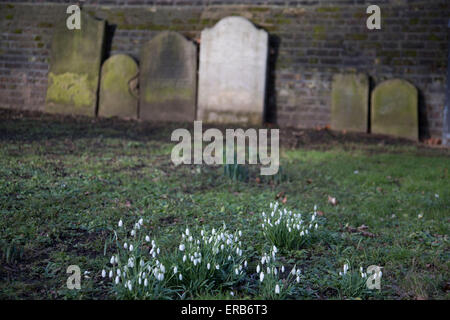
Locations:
75 60
116 96
168 78
350 102
394 109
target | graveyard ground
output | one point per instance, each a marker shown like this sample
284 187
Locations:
65 182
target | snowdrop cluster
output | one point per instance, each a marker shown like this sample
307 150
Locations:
287 229
351 283
135 270
275 281
210 256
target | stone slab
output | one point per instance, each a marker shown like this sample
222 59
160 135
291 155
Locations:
232 72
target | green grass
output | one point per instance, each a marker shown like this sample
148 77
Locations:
64 184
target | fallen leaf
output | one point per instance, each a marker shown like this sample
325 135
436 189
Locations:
284 200
332 200
320 213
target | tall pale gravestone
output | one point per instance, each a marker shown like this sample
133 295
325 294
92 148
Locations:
75 60
116 96
395 109
350 102
232 72
168 78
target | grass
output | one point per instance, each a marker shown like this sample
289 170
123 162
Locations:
65 182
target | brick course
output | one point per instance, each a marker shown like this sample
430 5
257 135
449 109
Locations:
309 41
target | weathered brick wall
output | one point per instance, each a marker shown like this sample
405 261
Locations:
310 41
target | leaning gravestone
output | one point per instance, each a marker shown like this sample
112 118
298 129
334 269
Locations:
116 96
350 102
232 73
394 109
75 60
168 78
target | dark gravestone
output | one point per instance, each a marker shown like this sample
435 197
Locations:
75 60
394 109
116 96
168 74
350 102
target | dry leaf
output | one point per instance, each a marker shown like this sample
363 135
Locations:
332 200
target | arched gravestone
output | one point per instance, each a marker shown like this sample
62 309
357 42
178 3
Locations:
116 97
168 78
232 73
350 102
75 60
394 109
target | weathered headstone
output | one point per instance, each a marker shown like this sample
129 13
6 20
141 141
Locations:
116 96
232 73
394 109
168 78
75 60
350 102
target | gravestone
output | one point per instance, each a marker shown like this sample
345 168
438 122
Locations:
168 78
116 97
350 102
394 109
232 73
75 60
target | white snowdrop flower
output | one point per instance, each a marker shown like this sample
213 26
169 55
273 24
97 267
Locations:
293 271
277 289
125 245
213 231
240 233
245 263
361 269
306 231
131 247
298 279
184 258
258 268
163 269
217 267
180 277
133 233
158 251
436 196
161 277
187 231
103 273
380 274
141 221
275 271
130 287
232 293
316 226
236 271
145 282
374 275
302 233
340 273
261 276
117 280
229 257
118 272
110 274
154 254
208 266
112 260
268 270
195 262
175 270
282 269
120 223
222 247
141 263
153 243
147 238
182 247
140 280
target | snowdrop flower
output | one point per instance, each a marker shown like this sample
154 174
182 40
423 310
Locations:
125 245
110 274
118 272
158 251
141 263
182 247
232 293
187 231
240 233
112 260
315 227
298 279
184 258
236 271
261 276
282 269
208 266
175 270
130 287
103 273
131 247
120 223
180 277
277 289
268 270
293 271
245 263
147 238
141 221
133 233
117 280
145 282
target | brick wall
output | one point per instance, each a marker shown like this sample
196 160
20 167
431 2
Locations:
309 41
